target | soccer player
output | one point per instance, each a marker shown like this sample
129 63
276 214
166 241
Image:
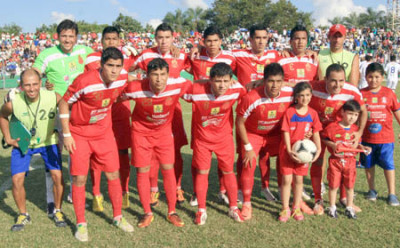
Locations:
297 122
328 97
120 112
337 55
61 64
250 64
379 135
363 66
258 123
164 38
156 98
201 65
88 133
36 109
392 71
212 124
342 165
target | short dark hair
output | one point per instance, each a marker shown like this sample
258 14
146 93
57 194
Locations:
255 28
273 69
156 64
334 67
220 70
110 29
164 27
111 53
351 105
299 87
368 57
298 28
29 71
67 24
375 67
392 57
211 30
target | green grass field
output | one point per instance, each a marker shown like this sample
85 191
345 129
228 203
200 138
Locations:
377 226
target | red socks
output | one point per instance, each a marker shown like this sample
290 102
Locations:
143 186
316 176
170 188
78 199
154 173
115 194
178 167
247 179
231 188
201 189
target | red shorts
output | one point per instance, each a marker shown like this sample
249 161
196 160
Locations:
103 154
178 129
202 153
288 166
272 146
342 172
145 147
122 130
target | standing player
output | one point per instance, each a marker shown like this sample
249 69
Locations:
164 38
328 97
258 124
88 134
26 106
201 65
156 98
337 55
121 112
363 66
61 64
212 124
379 135
250 64
392 71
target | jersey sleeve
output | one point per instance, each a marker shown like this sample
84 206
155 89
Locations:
188 95
317 126
285 122
243 108
73 92
39 63
395 105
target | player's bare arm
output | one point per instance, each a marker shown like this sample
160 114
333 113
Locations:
69 142
249 155
317 141
363 121
354 77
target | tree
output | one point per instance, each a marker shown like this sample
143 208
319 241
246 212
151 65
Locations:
11 28
50 29
85 27
195 19
176 20
127 24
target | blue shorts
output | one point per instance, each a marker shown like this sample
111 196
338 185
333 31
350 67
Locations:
50 155
381 154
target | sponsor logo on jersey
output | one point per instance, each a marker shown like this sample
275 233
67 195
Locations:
174 63
347 137
271 114
301 73
384 100
105 102
215 111
158 108
328 110
374 100
375 128
260 68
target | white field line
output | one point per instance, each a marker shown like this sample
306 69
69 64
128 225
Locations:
33 166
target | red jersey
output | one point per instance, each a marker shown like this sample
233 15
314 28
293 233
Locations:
176 65
328 105
338 134
298 125
380 106
93 61
153 113
250 67
91 101
201 66
212 118
264 114
298 69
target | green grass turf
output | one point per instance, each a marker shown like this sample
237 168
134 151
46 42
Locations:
377 226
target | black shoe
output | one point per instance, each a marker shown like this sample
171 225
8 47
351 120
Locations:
50 209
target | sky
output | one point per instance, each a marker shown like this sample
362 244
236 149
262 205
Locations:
31 14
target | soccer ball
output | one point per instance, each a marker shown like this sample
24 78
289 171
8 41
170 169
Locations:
305 150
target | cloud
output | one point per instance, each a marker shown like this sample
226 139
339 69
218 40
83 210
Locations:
123 10
328 9
190 3
381 7
57 17
154 22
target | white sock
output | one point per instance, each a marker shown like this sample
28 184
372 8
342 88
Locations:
49 187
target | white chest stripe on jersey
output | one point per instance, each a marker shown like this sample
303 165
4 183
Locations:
150 94
264 100
95 88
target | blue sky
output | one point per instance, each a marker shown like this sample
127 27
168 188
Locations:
31 14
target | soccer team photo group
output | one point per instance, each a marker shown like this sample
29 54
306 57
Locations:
159 144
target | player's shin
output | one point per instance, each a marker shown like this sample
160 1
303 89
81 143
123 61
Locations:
231 188
78 200
115 194
201 189
170 188
143 186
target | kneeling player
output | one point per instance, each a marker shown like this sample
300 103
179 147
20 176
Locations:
212 124
151 133
88 134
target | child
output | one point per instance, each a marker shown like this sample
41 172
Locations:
342 165
378 134
298 120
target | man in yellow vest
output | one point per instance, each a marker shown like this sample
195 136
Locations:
36 109
336 54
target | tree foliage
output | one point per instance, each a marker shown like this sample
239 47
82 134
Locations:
371 18
11 28
127 24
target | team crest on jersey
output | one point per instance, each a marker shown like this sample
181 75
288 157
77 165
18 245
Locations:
384 100
147 102
174 63
281 107
72 66
116 93
291 66
374 100
262 110
308 67
215 111
98 95
365 99
338 135
105 102
208 71
168 101
301 73
322 102
307 127
271 114
206 105
260 68
158 108
267 62
339 104
226 105
347 137
328 110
